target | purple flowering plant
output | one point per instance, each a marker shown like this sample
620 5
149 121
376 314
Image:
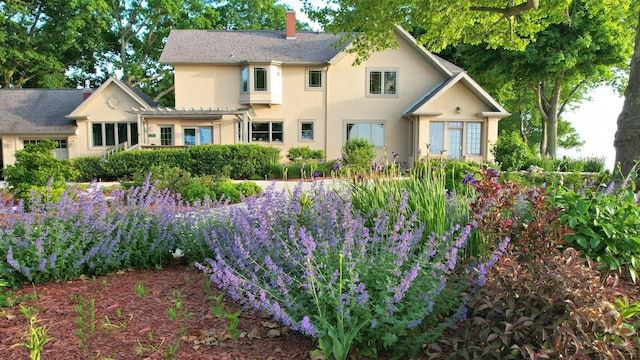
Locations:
311 262
88 233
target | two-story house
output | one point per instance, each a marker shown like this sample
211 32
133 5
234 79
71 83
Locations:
287 89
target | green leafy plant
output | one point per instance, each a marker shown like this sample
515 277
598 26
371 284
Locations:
233 318
120 323
36 166
510 151
606 225
36 337
359 154
170 352
151 347
85 320
304 154
337 339
141 291
177 311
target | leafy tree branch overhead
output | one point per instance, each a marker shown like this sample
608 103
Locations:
498 23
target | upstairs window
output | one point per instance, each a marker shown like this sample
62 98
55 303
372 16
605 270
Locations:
383 82
244 79
314 79
260 79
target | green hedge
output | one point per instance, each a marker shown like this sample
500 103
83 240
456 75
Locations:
234 161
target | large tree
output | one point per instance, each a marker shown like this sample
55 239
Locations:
627 138
42 39
566 61
137 33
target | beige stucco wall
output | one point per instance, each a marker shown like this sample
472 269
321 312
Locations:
111 105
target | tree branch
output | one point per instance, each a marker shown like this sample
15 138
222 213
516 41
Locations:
568 98
164 92
509 11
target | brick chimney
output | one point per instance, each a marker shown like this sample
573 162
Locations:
291 25
87 91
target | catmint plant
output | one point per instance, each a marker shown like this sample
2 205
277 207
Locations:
88 233
311 262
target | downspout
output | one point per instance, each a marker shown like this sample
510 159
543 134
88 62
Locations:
326 111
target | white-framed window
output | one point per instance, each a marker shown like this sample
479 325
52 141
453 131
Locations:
373 132
259 79
110 134
474 138
382 82
198 135
456 138
436 138
267 131
60 143
315 79
307 130
244 79
166 135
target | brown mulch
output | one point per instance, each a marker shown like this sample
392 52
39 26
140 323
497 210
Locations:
144 330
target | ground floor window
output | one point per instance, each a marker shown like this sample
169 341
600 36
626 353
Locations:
268 131
306 130
60 143
455 138
166 135
110 134
198 136
373 132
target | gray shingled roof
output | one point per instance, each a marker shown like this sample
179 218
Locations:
32 111
235 47
449 65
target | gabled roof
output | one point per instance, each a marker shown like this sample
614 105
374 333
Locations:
444 86
38 111
79 113
232 47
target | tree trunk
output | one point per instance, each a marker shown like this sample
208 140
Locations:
627 138
552 122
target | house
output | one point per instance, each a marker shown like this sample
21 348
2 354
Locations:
82 122
278 88
288 89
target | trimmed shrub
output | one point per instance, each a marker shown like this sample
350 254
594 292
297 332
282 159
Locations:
359 154
510 151
234 161
248 188
36 166
304 153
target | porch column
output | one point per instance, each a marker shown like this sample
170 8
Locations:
245 128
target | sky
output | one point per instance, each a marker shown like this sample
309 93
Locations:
594 120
